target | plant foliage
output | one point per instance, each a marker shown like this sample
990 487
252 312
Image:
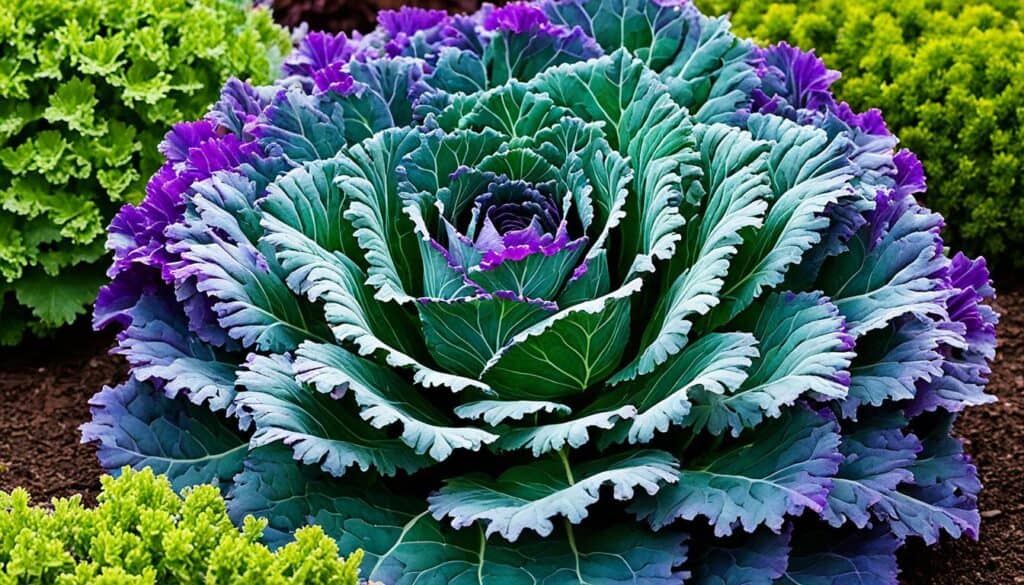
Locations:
87 89
143 533
568 292
949 78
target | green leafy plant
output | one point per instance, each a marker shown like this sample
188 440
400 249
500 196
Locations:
563 292
87 90
949 78
142 532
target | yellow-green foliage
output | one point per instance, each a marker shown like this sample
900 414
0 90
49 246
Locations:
87 89
949 78
142 533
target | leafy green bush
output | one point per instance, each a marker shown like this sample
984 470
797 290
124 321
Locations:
142 532
949 78
87 89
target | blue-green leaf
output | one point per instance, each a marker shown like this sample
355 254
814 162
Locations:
730 197
758 481
385 399
494 412
367 173
804 348
715 364
643 123
529 497
134 424
318 428
566 353
464 334
808 171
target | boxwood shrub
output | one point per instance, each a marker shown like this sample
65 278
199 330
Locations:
143 533
949 78
87 90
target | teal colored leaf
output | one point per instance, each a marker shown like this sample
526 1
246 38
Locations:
891 361
458 71
464 334
876 457
367 174
808 171
822 558
886 275
567 352
804 349
318 428
513 110
715 364
574 433
713 73
404 545
422 552
728 200
308 200
385 399
253 303
744 559
301 127
538 276
389 85
351 311
134 424
510 55
643 123
529 497
444 276
162 350
653 31
756 482
288 494
593 283
429 168
494 412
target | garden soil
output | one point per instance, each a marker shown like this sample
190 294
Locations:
45 388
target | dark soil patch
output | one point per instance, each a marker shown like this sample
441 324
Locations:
44 392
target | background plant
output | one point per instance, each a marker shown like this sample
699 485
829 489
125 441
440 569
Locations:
565 292
87 90
947 75
142 532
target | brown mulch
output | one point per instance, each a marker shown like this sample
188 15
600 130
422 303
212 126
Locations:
44 394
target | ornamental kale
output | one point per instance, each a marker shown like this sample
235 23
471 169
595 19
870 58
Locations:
571 291
87 88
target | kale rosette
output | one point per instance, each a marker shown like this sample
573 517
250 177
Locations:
562 292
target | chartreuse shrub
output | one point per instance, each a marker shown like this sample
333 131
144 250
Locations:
143 533
566 292
949 78
87 90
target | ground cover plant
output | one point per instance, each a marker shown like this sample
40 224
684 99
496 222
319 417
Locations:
565 292
87 90
949 78
143 533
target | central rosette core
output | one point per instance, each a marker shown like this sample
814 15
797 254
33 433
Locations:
514 219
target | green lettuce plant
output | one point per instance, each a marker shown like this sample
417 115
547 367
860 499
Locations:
949 78
87 90
143 533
